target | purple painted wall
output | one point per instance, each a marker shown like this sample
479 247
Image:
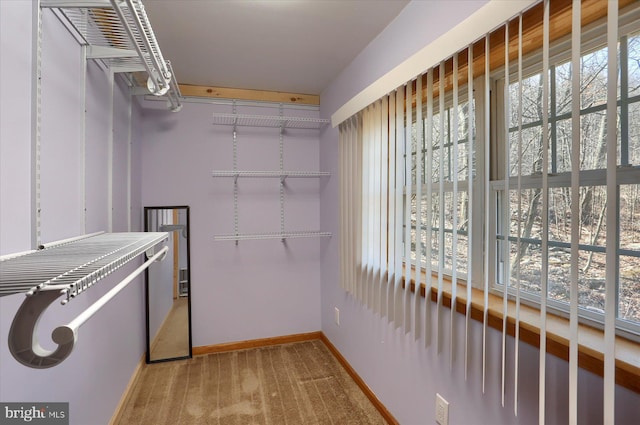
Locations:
259 288
402 372
111 343
15 131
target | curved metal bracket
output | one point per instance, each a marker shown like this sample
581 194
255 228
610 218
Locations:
23 338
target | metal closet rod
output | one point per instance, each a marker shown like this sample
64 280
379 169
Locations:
69 333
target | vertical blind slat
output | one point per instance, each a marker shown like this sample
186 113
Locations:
519 241
470 168
360 250
384 218
418 261
407 206
364 263
487 198
545 214
429 218
441 245
374 295
506 211
575 211
392 211
454 137
612 231
399 315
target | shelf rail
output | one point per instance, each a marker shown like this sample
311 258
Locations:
281 123
67 268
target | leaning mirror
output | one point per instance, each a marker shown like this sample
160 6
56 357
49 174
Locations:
168 287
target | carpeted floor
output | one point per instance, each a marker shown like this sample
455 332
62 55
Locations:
298 383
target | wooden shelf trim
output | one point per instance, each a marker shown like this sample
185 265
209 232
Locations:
188 90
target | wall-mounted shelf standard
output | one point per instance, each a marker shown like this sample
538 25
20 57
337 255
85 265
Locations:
280 122
244 120
118 33
67 268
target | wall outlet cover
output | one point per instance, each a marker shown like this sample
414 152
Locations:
442 410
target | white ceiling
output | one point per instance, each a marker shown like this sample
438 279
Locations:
295 46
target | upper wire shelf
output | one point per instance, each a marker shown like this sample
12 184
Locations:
246 120
119 33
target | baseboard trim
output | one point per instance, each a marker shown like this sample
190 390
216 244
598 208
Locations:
115 418
255 343
359 381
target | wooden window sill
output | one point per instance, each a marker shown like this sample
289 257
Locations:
591 340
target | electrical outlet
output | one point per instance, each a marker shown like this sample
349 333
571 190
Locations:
442 410
336 316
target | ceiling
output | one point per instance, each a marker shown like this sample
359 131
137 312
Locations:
295 46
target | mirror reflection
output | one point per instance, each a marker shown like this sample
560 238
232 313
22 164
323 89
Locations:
168 287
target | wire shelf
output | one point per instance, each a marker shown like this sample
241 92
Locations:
270 174
244 120
72 267
119 33
274 235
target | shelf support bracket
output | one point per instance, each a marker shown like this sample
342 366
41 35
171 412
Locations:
23 335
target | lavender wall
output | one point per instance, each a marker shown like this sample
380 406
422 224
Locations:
258 288
111 343
15 131
404 374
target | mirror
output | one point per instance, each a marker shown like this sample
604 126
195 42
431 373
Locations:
168 287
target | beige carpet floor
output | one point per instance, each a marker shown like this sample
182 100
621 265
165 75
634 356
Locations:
298 383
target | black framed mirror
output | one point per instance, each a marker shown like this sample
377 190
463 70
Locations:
168 287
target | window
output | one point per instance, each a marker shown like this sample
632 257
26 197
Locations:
446 161
525 168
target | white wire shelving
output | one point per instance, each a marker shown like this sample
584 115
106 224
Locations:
118 33
274 235
270 174
66 269
248 120
282 123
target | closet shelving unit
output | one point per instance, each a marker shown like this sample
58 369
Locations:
262 121
118 33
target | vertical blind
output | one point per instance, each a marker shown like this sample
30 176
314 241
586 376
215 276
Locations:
503 172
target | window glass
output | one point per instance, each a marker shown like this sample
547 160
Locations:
525 150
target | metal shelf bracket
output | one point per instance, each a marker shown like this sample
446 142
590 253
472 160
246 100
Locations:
67 268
